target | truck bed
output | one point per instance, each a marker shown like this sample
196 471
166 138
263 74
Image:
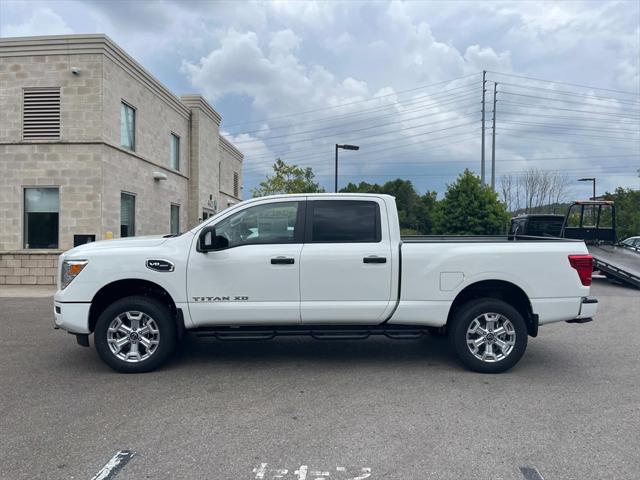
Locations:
480 239
619 262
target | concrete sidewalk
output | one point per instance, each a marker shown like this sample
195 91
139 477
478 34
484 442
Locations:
27 291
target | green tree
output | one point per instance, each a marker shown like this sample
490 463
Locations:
415 212
288 179
468 208
627 203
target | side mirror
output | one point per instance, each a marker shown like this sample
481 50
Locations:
208 241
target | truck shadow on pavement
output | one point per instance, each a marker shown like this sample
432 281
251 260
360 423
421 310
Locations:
430 351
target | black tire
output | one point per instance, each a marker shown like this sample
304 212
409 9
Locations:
461 322
165 324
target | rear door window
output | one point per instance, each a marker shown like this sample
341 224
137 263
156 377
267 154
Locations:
344 221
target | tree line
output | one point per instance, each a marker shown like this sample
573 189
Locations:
467 207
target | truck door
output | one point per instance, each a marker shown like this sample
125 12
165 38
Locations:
255 279
345 269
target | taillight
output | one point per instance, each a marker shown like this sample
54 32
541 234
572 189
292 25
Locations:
584 266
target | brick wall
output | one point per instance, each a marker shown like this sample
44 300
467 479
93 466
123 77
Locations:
28 268
74 169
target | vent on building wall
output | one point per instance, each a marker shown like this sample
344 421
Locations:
236 185
41 114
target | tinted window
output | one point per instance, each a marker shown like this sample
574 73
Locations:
545 227
175 151
270 223
127 126
345 221
41 207
175 219
127 215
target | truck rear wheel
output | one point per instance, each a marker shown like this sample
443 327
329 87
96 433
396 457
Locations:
488 335
135 334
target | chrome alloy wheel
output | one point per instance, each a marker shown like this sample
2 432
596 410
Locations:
133 336
491 337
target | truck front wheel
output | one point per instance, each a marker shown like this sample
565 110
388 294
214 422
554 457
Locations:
488 335
135 334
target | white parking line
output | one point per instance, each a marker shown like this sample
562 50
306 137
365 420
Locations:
113 466
303 472
531 473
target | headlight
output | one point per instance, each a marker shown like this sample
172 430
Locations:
70 270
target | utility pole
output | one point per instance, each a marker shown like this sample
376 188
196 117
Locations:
484 82
493 139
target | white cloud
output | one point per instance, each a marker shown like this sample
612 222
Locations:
259 60
284 42
479 58
275 78
43 21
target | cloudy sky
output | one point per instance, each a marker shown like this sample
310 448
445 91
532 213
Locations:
400 79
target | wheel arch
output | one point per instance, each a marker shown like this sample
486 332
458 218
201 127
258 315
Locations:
503 290
123 288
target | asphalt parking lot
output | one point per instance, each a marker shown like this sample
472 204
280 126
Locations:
306 409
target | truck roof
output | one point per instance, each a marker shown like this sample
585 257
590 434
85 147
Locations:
320 195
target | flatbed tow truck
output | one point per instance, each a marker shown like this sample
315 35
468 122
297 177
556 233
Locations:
594 222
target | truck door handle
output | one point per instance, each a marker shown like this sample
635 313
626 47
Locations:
374 259
282 261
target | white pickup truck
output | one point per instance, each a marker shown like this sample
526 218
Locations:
326 265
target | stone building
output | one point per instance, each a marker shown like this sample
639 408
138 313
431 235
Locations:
93 147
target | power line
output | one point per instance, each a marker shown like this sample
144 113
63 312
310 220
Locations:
371 153
571 127
407 102
551 107
573 134
566 101
356 102
575 94
511 160
369 145
564 83
546 138
429 107
333 135
578 119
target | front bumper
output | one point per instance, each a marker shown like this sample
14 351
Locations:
72 317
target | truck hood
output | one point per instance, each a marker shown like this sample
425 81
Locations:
135 242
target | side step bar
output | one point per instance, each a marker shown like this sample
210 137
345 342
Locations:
319 332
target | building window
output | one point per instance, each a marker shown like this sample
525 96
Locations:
175 219
41 217
236 185
175 151
127 215
41 113
127 126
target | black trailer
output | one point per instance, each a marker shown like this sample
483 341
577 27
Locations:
594 222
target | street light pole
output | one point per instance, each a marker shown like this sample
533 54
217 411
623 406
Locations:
593 210
590 179
344 147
